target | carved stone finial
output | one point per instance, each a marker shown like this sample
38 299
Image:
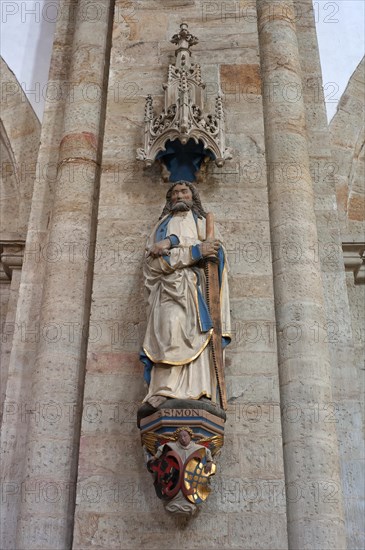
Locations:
184 37
183 118
184 40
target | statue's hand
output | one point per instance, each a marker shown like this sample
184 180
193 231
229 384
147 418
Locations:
209 248
159 249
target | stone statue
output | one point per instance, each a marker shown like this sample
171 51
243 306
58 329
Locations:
182 417
176 352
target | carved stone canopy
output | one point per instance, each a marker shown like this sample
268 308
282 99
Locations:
182 134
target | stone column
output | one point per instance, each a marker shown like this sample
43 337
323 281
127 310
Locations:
314 503
47 509
19 402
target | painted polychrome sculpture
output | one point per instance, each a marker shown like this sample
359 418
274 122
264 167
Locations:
188 324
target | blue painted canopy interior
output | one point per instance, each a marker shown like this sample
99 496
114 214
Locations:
184 161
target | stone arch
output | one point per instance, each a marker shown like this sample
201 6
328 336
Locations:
19 143
9 186
347 141
356 198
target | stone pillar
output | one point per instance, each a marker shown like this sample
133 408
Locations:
19 399
329 171
315 520
47 509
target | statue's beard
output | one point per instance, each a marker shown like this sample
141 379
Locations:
181 206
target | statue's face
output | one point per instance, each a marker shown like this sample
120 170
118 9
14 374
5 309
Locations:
181 198
181 192
184 438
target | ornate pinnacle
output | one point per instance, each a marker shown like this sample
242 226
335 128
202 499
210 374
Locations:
184 39
198 74
148 110
219 107
183 85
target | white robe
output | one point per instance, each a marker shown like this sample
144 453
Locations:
174 341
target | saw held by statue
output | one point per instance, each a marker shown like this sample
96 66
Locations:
213 299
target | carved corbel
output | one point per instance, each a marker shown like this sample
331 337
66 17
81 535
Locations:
354 260
11 254
182 469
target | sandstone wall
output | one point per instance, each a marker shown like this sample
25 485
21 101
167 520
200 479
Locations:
75 381
116 504
21 408
347 144
19 144
20 133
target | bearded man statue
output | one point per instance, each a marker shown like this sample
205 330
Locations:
176 351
